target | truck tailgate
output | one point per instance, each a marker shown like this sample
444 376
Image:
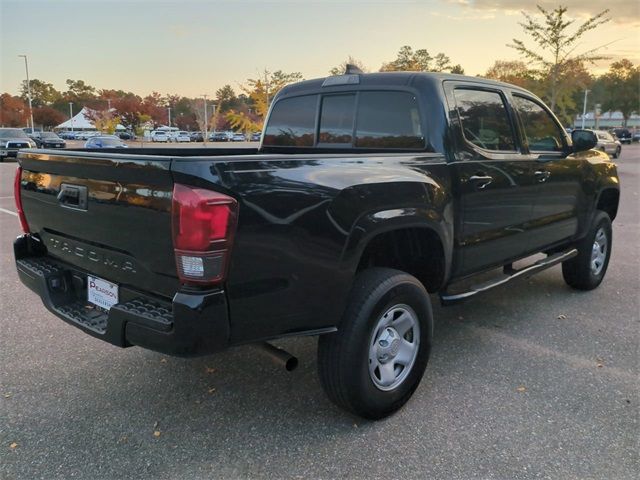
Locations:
108 214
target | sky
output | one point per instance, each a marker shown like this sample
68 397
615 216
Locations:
194 47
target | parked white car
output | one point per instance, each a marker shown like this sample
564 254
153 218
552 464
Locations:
159 136
181 136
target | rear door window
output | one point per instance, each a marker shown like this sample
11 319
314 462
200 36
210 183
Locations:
542 132
388 120
292 122
484 119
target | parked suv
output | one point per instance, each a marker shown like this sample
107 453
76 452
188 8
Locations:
608 143
12 140
623 134
48 140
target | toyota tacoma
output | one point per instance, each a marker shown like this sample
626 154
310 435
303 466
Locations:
367 193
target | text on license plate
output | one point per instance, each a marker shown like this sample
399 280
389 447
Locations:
101 293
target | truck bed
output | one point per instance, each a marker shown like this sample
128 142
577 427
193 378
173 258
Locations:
290 259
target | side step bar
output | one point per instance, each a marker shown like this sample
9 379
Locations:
526 272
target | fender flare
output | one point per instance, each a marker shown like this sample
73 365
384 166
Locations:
372 224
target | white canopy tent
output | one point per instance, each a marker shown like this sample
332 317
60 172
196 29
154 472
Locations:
81 122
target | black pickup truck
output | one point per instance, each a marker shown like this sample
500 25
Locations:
367 192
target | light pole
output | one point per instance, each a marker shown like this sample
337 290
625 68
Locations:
584 108
206 119
71 114
26 67
169 110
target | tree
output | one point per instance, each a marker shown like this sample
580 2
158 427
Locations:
186 122
419 61
340 69
204 123
554 54
13 111
226 99
260 92
78 89
621 88
104 120
515 72
131 112
42 93
154 106
47 117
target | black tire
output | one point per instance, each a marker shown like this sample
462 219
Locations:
617 153
343 356
578 272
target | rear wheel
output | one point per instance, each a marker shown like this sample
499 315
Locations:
374 363
587 270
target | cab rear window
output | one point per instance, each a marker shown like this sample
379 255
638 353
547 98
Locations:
366 119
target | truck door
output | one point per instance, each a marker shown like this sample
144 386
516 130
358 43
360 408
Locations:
557 175
495 183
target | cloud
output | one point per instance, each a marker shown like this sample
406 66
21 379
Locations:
621 11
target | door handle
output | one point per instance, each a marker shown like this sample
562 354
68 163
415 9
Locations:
481 181
542 175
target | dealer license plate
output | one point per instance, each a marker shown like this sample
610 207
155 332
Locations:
101 293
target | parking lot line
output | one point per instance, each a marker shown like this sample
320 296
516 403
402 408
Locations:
4 198
9 212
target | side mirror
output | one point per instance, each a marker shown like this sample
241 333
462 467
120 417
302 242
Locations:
583 140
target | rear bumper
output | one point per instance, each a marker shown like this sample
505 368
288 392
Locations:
192 323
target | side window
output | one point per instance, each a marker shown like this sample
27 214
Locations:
292 122
542 132
336 119
388 120
484 119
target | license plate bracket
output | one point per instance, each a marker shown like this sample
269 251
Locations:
102 293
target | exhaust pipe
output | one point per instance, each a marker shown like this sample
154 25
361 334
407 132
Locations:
280 356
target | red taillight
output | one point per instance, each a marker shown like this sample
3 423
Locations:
203 225
18 198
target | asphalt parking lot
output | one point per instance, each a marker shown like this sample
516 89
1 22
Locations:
534 380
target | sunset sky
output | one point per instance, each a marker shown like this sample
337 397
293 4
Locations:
195 46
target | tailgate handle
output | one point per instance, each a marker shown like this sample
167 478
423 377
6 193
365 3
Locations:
73 196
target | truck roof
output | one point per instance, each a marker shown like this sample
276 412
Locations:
389 79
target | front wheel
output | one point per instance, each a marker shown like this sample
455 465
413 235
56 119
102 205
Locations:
372 365
617 152
587 270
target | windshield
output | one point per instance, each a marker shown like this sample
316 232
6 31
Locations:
12 133
48 135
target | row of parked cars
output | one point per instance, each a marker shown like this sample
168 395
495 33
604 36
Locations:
164 136
87 134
